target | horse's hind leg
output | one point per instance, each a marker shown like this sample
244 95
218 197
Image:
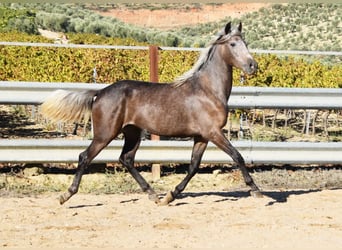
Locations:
222 142
132 136
200 144
84 159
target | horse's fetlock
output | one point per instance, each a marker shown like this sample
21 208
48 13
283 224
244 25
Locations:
82 158
73 190
250 182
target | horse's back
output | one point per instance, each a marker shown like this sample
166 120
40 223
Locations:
131 86
138 92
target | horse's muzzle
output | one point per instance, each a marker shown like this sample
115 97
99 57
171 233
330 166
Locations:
251 67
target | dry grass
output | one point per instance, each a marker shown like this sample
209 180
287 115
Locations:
31 181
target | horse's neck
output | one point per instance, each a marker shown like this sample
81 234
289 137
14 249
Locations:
217 78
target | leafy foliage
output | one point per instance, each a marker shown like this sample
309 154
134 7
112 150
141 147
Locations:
292 26
18 19
46 64
293 72
15 36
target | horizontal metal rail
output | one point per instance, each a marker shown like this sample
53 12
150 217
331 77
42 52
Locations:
94 46
241 97
287 98
59 150
35 92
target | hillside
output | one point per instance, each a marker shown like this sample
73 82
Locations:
304 26
174 17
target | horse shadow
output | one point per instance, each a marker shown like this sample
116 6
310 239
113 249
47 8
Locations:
276 196
85 206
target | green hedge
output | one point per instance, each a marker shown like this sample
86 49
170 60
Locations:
49 64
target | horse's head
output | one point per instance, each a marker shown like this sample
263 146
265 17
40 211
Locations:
234 50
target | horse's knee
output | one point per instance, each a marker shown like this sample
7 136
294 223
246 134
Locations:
126 160
82 157
122 160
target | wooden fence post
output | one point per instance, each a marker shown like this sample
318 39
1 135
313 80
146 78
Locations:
153 52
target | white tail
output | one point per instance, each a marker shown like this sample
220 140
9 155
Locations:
64 105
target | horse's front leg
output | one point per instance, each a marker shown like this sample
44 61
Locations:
200 144
223 143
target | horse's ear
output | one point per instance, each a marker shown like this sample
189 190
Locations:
227 29
240 27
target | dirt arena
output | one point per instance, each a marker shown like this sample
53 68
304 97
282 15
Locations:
286 219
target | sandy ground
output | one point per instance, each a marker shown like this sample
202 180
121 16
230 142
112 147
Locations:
287 219
282 219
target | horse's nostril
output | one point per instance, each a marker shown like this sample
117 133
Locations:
254 65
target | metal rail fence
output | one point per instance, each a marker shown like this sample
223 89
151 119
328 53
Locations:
94 46
55 150
241 97
59 150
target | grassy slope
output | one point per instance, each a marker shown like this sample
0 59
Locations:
304 26
293 26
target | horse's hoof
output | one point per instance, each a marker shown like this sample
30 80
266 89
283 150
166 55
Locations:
61 199
167 199
64 197
256 194
154 197
163 202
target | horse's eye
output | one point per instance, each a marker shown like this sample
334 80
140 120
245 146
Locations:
232 44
